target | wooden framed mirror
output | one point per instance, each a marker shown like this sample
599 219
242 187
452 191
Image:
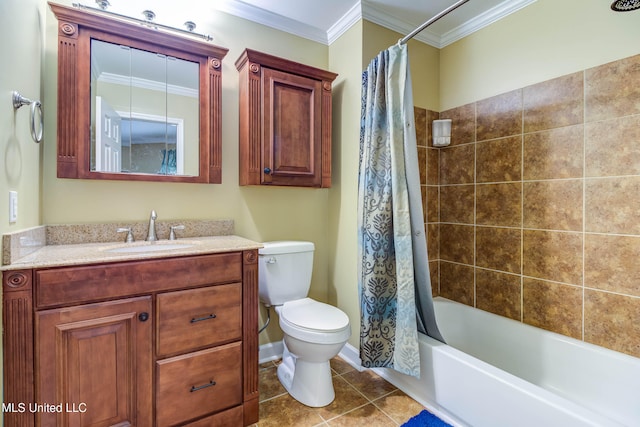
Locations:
136 103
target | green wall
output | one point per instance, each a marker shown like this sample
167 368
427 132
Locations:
20 156
344 58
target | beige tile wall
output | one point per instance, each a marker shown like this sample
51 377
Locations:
533 211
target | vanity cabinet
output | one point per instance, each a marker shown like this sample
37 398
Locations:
285 122
160 342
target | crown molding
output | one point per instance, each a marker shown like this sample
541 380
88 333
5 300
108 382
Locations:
483 20
492 15
371 13
343 24
273 20
382 18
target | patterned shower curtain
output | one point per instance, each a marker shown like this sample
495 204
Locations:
393 274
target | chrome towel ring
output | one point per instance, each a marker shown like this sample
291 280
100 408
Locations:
19 101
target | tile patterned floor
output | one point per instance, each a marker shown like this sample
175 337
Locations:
362 399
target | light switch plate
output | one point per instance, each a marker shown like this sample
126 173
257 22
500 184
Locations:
13 206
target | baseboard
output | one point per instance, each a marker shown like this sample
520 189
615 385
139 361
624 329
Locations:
270 351
351 355
273 351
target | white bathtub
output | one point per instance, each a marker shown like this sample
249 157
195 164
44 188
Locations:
497 372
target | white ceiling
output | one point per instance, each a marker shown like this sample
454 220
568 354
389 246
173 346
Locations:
324 21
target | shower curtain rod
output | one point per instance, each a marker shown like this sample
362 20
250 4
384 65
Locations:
430 21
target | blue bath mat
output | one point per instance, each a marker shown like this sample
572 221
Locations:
425 419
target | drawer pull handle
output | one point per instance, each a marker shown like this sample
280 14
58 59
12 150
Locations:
200 319
200 387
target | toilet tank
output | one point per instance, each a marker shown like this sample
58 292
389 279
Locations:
284 271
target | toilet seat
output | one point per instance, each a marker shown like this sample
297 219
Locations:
313 321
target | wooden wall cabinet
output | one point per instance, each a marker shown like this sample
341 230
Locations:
285 122
162 342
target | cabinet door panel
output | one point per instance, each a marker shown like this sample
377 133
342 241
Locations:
292 107
95 361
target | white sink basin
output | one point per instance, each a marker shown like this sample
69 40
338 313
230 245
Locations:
150 247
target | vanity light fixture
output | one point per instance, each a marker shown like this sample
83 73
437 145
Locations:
149 16
103 4
441 132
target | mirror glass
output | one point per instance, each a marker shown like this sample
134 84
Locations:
144 112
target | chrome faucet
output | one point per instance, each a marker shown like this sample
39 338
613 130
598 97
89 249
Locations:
151 234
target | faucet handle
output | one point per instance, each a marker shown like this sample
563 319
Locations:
129 238
172 232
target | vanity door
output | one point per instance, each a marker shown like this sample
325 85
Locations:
94 364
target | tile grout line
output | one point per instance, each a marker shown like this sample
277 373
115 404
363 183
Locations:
368 400
358 390
373 401
273 397
522 210
584 193
382 410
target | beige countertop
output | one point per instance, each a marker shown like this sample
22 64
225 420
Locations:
77 244
92 253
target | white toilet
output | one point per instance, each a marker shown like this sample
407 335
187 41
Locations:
314 332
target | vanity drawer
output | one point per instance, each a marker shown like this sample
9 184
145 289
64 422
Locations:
197 318
73 285
198 384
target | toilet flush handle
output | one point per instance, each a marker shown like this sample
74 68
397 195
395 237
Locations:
271 260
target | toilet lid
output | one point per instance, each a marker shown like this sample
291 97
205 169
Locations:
314 316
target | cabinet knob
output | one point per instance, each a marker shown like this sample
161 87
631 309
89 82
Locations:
267 170
144 316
